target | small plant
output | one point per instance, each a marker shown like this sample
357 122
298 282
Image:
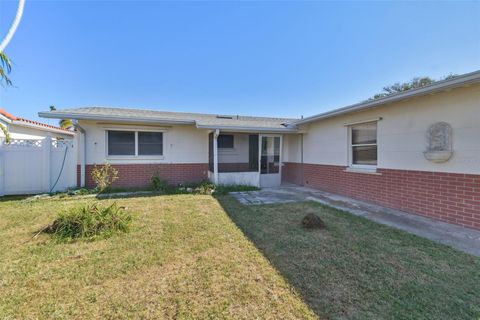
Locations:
90 222
104 176
158 184
5 133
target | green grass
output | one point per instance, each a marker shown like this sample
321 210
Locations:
183 258
200 257
358 269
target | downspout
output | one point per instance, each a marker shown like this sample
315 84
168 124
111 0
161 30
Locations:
301 160
215 156
83 161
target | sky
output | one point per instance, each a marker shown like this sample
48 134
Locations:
284 59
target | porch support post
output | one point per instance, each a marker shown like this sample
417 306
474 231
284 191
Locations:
215 156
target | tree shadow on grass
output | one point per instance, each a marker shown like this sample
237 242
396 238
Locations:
357 268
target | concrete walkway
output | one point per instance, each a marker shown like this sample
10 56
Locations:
464 239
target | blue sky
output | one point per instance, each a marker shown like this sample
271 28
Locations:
255 58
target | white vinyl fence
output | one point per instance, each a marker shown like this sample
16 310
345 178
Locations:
35 166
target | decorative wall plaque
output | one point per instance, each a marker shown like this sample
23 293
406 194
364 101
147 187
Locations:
439 138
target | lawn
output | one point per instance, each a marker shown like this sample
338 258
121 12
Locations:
358 269
200 257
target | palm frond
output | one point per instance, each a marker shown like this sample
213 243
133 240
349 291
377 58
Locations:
5 68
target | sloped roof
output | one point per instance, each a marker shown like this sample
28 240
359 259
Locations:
201 120
39 125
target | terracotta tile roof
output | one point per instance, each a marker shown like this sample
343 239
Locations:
8 115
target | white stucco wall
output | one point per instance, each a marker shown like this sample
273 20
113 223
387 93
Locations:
402 133
240 151
291 148
181 144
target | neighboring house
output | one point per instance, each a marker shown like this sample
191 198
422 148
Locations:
21 129
39 157
417 151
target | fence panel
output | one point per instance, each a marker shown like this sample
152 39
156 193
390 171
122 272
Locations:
33 166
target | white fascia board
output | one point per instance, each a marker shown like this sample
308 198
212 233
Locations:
110 118
464 80
247 129
5 119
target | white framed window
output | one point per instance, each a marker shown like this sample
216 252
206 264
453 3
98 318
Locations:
128 143
363 145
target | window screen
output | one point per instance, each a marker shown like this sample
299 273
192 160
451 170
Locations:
364 144
150 143
121 143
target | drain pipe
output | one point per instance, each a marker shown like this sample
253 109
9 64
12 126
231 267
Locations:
301 159
83 160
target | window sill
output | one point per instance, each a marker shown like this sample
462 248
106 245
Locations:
372 171
135 158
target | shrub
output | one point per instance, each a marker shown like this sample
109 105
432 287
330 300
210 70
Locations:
158 184
90 222
104 176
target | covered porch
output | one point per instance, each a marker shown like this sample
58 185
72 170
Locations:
245 158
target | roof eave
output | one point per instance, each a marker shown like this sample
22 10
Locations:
248 129
111 118
464 80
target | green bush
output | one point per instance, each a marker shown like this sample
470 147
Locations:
204 187
90 222
158 184
104 176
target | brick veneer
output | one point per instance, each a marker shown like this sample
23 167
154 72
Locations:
139 175
449 197
79 175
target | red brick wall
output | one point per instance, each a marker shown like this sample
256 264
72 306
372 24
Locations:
139 175
292 173
79 176
449 197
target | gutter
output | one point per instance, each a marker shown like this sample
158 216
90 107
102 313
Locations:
248 129
463 80
76 116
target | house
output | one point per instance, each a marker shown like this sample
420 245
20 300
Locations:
36 157
24 129
416 151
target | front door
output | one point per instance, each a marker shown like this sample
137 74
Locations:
270 160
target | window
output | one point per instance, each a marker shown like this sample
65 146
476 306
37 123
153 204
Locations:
150 143
225 141
121 143
134 143
364 144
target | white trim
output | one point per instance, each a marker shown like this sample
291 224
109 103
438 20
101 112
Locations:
361 167
76 116
136 156
362 121
252 130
